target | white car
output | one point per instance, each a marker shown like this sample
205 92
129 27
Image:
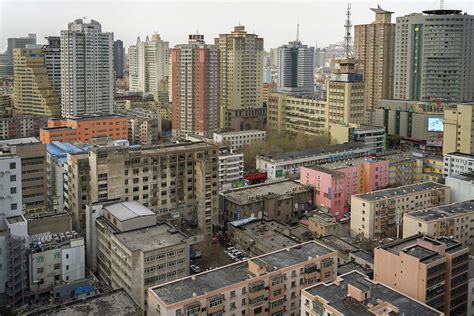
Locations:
345 220
195 268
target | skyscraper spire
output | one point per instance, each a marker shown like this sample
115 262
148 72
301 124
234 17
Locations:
298 32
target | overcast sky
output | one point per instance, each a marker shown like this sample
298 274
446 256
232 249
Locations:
275 21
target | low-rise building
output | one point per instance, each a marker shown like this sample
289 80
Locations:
281 200
462 186
268 284
282 164
343 246
335 183
132 251
237 139
362 258
354 293
50 222
456 163
55 260
403 169
373 136
432 271
21 126
257 237
456 220
322 224
379 214
231 168
83 129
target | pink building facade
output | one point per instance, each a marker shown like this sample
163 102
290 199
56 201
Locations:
334 184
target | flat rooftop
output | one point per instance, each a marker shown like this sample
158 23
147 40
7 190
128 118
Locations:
444 211
338 244
212 280
117 302
20 141
163 148
249 131
345 163
352 266
364 255
241 196
151 237
465 176
323 219
314 152
127 210
463 155
336 296
399 191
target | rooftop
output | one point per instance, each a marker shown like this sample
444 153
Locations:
363 255
444 211
322 218
256 192
116 302
314 152
351 266
460 155
327 167
213 280
127 210
151 238
399 191
336 296
249 131
19 141
465 176
338 244
60 150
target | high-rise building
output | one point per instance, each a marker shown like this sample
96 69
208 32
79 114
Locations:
195 88
296 68
433 271
148 65
241 61
458 124
19 42
52 62
119 53
433 56
374 49
345 94
87 76
32 92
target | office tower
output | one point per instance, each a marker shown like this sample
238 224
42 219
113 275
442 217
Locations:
195 88
19 42
345 94
119 53
458 124
241 55
433 56
148 65
430 270
296 68
87 77
33 93
374 49
52 62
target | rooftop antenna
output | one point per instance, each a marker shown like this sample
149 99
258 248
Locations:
298 32
348 26
441 4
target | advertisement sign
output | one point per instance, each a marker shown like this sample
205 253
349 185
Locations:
435 124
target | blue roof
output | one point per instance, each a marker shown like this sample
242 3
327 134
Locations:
60 150
84 289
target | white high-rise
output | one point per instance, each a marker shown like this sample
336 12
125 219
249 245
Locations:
87 72
434 56
148 65
296 68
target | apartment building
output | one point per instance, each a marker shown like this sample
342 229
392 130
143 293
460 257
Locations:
144 126
178 180
296 115
371 136
52 62
462 186
322 224
231 168
447 220
238 139
456 163
282 200
33 172
134 252
55 260
335 183
6 105
403 169
282 164
21 126
12 44
83 129
267 284
432 271
353 293
379 214
459 129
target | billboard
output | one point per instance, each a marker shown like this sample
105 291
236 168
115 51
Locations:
435 124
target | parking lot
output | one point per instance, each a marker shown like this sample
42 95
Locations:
212 255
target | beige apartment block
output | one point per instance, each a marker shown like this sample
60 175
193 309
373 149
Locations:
322 224
177 180
266 285
374 49
353 293
432 271
458 133
379 214
33 93
241 60
455 220
133 252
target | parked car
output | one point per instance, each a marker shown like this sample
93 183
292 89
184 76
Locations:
195 268
345 220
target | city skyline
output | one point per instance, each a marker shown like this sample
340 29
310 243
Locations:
145 18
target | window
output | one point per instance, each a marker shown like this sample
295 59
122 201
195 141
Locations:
12 190
12 165
40 270
13 178
13 206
